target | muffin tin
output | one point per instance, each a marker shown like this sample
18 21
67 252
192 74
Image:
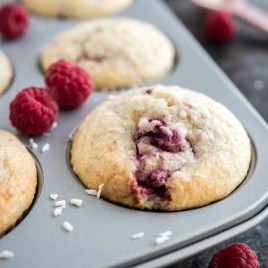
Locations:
102 230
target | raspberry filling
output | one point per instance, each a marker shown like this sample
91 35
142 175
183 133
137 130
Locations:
161 136
149 91
156 142
153 183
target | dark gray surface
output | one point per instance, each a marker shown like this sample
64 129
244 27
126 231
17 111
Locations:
244 60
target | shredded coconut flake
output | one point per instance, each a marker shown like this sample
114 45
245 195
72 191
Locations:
57 211
6 254
99 190
137 236
33 144
45 148
60 203
67 226
92 192
54 125
53 196
76 202
161 239
166 233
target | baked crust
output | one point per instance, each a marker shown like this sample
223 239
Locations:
161 147
18 180
79 9
6 72
117 52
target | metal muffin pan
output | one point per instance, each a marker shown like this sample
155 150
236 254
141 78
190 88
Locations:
102 230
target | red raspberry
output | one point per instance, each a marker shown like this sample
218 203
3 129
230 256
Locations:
237 255
68 84
219 27
14 20
33 111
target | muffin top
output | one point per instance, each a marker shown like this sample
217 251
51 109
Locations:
117 52
76 9
18 179
161 147
6 72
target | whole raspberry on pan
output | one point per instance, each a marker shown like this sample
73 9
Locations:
14 20
219 27
33 111
238 255
68 84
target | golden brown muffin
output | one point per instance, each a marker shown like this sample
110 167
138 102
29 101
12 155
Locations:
78 9
18 180
6 72
117 52
161 147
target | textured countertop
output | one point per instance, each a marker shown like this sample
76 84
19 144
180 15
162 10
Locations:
245 61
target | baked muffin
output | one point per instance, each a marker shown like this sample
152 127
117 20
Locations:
117 52
18 180
6 72
161 147
76 9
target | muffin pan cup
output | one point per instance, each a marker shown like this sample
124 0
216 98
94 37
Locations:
102 230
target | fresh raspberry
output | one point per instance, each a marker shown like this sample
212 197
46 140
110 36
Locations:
237 255
14 20
33 111
68 84
219 27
